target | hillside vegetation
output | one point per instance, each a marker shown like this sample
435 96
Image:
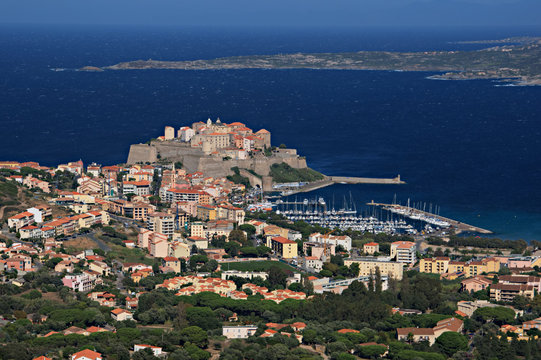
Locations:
283 173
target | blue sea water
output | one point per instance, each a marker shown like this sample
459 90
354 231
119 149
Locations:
471 147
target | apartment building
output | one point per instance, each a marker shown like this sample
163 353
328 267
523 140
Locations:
161 222
283 247
404 252
507 292
368 266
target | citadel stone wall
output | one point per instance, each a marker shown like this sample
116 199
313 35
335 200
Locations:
193 159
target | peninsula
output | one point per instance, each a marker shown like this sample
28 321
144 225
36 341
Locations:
512 59
233 150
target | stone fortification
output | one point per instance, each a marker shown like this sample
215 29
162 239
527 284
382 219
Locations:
194 159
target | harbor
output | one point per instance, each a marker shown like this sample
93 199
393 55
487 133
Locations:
317 211
429 217
414 219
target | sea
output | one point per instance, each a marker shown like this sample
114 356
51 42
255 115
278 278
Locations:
472 148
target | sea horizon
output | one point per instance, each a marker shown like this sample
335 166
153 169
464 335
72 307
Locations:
468 146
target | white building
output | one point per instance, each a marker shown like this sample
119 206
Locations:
404 252
185 133
138 188
155 349
244 274
344 241
238 332
38 216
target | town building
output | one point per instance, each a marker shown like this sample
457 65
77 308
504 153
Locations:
368 266
239 332
87 355
343 241
371 248
283 247
404 252
156 350
121 315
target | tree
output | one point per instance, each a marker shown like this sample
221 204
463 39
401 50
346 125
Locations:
499 314
277 276
248 228
378 283
354 269
371 351
238 236
195 335
450 342
203 317
145 354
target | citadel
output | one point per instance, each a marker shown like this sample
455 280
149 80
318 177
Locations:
214 148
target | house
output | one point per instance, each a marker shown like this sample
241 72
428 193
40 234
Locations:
172 262
103 298
156 350
158 245
19 263
100 267
80 282
199 242
179 249
313 262
86 355
238 332
475 284
371 248
121 315
428 334
64 265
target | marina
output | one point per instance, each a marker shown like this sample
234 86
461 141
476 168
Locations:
430 218
412 219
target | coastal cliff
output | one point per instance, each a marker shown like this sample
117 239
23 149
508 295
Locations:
518 61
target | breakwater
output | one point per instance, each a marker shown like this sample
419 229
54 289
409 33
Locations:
413 213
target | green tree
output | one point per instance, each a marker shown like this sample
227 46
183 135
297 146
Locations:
450 342
277 276
195 335
203 317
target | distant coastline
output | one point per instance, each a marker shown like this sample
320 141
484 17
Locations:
514 60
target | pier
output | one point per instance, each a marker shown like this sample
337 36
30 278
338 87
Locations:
363 180
409 211
331 180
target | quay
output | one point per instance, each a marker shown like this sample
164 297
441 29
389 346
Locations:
331 180
457 225
362 180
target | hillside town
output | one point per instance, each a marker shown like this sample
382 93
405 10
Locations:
149 261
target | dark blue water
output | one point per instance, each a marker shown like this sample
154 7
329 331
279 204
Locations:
469 146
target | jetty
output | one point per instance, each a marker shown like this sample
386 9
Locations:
363 180
331 180
413 213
